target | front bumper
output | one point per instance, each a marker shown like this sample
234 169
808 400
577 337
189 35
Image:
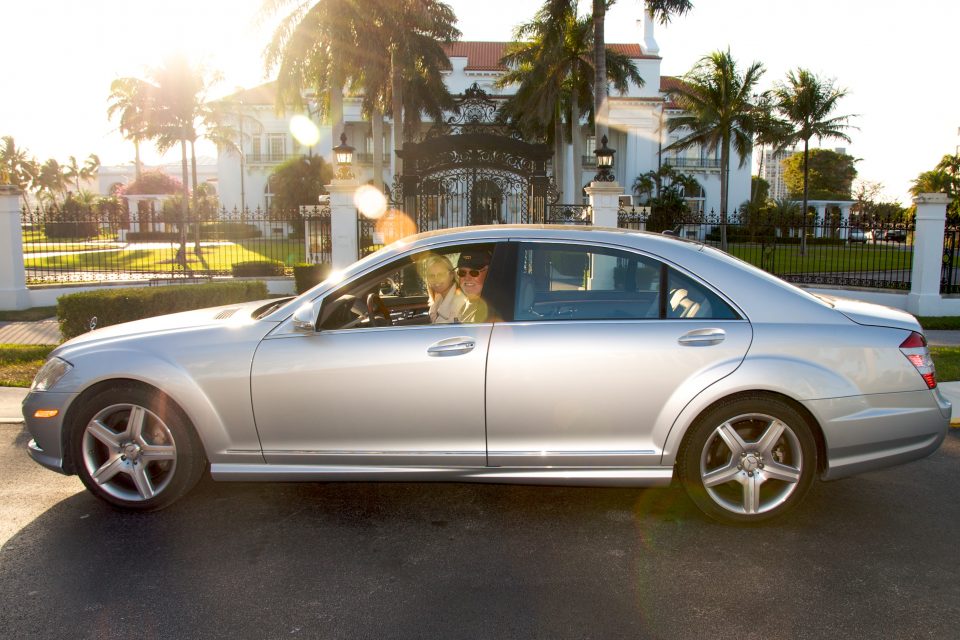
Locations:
48 446
864 433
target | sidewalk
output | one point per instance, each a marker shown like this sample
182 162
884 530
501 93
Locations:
39 332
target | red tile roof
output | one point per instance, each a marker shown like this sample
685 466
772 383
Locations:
485 56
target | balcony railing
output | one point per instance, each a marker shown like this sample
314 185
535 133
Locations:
269 158
589 162
692 163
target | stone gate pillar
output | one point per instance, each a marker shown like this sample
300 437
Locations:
924 298
13 287
604 202
345 248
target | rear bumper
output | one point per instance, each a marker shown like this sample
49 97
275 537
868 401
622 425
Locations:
47 445
870 432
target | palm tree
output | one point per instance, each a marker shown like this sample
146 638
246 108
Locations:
128 100
662 10
52 180
715 98
391 50
769 130
944 178
552 65
73 170
806 102
316 47
17 167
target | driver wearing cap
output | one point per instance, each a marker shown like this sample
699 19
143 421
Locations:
472 269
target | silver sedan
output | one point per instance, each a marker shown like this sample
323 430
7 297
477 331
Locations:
539 355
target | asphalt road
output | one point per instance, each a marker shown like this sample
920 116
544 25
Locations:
867 557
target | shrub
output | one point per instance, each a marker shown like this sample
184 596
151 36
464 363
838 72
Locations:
113 306
258 268
308 275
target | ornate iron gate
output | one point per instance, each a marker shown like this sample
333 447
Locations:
473 169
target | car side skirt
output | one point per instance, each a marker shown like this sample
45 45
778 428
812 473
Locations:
570 476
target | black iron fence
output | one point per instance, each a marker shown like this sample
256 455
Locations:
89 245
829 252
83 244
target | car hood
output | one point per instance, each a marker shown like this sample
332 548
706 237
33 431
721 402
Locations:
231 314
873 315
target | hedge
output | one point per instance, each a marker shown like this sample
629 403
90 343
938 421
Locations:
307 276
258 268
113 306
229 231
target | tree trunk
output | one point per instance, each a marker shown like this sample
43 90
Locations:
193 166
559 171
724 173
376 122
803 212
576 168
184 173
600 71
753 188
136 159
396 90
336 108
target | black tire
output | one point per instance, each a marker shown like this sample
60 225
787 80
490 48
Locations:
763 474
135 449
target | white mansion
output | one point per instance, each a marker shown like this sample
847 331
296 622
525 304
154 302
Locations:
637 132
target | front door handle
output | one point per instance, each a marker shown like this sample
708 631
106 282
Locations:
451 347
702 337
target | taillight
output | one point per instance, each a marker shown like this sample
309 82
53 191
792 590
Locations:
915 349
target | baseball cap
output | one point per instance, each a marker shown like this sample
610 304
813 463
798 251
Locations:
474 259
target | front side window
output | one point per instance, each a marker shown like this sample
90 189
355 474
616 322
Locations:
442 286
571 282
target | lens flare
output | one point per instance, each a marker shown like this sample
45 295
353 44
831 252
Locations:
304 130
393 226
370 201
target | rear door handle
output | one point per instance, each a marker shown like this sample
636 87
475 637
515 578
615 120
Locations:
702 337
451 347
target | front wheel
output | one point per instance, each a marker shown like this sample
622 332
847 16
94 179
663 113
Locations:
748 460
135 449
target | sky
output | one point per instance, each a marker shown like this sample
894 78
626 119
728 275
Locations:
63 54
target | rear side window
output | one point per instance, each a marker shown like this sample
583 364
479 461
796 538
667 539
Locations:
568 282
689 298
572 282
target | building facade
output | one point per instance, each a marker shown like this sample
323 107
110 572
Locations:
637 128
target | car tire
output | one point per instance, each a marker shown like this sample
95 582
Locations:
748 459
135 449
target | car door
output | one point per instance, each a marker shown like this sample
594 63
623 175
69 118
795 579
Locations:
605 348
356 392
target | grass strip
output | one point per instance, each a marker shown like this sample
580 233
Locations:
29 315
20 362
947 362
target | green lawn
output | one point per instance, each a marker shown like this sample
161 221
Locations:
947 362
824 258
42 247
20 362
218 257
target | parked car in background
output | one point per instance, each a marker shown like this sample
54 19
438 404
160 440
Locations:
856 235
895 235
597 357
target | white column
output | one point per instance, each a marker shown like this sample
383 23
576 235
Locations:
924 298
821 220
13 287
343 223
844 219
571 191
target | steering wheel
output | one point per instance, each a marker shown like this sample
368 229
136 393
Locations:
378 313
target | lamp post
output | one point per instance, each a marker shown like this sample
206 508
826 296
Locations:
343 155
604 162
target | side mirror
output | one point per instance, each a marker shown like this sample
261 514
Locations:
303 318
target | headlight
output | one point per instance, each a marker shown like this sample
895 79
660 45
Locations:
50 373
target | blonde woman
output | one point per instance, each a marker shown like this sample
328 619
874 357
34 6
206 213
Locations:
446 299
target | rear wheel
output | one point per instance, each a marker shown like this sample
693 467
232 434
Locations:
135 449
748 460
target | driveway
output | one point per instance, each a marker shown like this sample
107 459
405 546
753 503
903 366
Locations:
868 557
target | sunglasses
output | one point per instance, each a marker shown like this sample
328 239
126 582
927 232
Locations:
473 273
